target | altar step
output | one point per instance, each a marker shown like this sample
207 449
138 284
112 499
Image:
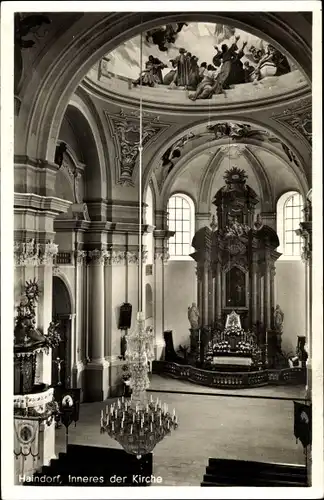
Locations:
226 472
89 462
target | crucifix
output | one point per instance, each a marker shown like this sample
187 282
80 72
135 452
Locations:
58 362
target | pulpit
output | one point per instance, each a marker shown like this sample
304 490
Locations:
236 259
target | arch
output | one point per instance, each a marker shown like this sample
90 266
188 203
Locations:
181 219
63 290
95 179
262 178
281 226
182 163
302 174
62 313
91 36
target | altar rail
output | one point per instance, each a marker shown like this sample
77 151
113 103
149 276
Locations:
231 380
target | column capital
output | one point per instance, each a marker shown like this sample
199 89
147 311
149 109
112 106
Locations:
161 254
97 256
31 253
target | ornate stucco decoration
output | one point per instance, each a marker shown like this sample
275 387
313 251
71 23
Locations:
114 257
80 257
31 253
125 131
305 232
299 119
75 174
97 256
161 254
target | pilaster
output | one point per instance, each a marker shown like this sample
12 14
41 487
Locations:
161 257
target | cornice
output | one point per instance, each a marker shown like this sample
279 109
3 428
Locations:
21 161
193 108
31 201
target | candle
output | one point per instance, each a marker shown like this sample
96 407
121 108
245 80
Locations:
152 417
102 414
112 426
151 399
174 412
122 424
131 429
133 417
151 427
141 424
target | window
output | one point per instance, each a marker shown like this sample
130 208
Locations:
181 220
289 215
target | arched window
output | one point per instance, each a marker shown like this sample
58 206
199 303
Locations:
289 215
181 219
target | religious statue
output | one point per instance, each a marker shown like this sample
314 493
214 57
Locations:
278 319
258 223
301 351
61 148
58 362
193 316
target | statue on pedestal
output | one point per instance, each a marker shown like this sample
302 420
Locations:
194 316
278 319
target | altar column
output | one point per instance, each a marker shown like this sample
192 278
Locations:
205 315
272 291
266 297
98 376
199 272
218 283
212 305
254 292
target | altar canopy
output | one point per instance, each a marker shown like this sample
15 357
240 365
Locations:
236 259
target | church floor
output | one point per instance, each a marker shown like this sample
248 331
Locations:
209 426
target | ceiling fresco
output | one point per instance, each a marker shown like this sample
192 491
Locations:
204 59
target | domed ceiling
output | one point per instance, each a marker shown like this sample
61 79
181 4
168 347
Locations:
189 62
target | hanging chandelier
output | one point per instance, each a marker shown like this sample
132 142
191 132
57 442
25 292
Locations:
138 424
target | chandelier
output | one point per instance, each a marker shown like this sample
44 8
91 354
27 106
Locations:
138 425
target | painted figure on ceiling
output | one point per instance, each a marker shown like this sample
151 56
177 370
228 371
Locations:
181 78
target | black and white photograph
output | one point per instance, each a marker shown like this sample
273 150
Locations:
161 249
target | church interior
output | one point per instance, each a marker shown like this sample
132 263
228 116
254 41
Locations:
163 248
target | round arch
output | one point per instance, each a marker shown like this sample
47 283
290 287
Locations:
62 310
91 36
182 164
303 176
90 142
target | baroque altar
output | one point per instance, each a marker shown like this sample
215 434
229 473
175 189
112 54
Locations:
236 260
